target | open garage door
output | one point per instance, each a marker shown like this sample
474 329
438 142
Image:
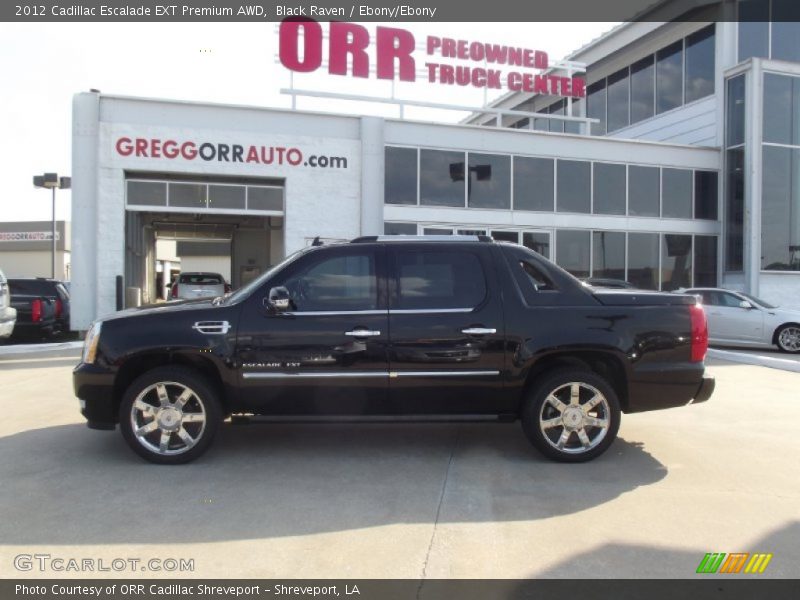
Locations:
231 228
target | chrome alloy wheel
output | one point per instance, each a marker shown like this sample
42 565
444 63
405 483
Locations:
789 338
168 418
574 417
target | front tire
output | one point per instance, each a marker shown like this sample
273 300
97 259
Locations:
572 415
787 338
169 415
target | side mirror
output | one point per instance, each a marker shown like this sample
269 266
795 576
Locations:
745 304
279 299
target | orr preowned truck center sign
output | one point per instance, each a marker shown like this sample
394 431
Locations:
301 47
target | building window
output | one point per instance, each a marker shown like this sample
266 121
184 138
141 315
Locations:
609 189
596 106
676 262
785 36
572 251
441 181
643 191
643 260
669 77
753 29
608 254
734 174
574 186
559 108
618 94
577 111
706 195
400 229
187 195
489 184
781 109
705 261
676 193
643 89
533 183
699 80
146 193
227 197
400 183
780 209
506 236
264 198
437 231
538 241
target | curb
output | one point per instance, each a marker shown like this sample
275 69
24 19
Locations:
756 359
39 348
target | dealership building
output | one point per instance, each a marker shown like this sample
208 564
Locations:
678 167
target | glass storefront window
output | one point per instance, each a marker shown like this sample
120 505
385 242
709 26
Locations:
781 109
533 183
187 195
596 106
489 183
699 80
643 260
785 36
706 195
669 77
146 193
574 181
643 89
436 231
226 197
608 254
753 29
264 198
676 262
705 261
618 93
400 229
572 251
400 183
676 193
643 191
506 236
538 241
780 209
734 210
609 189
441 178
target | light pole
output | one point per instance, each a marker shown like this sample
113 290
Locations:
52 181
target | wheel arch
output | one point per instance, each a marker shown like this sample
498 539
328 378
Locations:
781 326
603 363
142 363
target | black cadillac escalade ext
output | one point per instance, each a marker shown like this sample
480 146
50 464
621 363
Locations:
425 327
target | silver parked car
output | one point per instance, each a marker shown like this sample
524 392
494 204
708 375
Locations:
739 319
199 285
8 315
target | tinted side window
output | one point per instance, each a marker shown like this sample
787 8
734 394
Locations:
438 279
337 283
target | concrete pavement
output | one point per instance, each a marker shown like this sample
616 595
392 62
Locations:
406 500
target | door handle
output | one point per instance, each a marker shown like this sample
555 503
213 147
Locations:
479 330
362 333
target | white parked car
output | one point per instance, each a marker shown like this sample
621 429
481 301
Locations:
199 285
739 319
8 315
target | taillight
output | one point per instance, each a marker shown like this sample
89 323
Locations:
36 310
227 287
174 290
59 308
699 332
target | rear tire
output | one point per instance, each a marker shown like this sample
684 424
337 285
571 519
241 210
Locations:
571 415
787 338
169 415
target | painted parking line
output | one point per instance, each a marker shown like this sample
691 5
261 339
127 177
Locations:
751 358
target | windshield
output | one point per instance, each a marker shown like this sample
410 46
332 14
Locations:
758 301
244 292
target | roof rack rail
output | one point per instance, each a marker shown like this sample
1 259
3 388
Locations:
421 238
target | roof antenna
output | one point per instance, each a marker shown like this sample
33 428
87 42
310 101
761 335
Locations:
316 242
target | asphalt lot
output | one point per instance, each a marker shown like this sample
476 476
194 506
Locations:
422 500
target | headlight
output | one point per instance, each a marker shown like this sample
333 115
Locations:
91 342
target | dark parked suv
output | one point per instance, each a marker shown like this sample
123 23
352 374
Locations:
460 327
51 291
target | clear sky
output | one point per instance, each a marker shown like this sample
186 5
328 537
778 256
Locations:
43 65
